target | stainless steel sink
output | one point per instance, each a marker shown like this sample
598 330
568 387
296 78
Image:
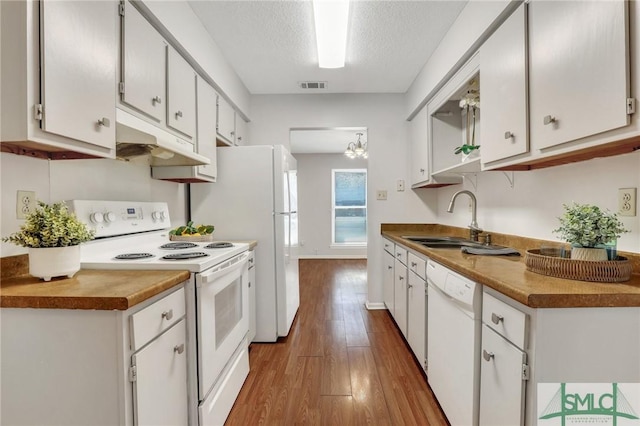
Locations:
448 242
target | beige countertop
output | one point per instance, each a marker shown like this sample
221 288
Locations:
509 276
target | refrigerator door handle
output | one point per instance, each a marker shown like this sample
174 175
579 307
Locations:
284 213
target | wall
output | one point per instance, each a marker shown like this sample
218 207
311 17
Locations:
383 116
80 179
314 204
532 206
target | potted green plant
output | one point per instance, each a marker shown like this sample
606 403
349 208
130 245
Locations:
589 230
470 105
53 235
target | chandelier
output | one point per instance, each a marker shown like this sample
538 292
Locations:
357 149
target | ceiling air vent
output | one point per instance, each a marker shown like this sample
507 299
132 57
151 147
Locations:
312 84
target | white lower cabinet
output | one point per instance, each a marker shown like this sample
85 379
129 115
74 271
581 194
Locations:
501 381
91 367
417 311
252 296
400 291
388 280
161 379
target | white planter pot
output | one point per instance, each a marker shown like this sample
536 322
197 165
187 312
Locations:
588 253
51 262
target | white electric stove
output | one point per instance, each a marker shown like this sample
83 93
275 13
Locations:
135 236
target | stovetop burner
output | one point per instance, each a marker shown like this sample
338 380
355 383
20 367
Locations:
178 246
219 244
133 256
183 256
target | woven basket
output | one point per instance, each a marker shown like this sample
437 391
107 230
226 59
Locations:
197 239
611 271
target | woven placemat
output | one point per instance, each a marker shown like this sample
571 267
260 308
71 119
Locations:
611 271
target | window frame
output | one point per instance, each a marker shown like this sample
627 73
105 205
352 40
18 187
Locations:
335 244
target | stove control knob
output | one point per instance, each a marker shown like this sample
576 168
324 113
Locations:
110 217
96 217
158 215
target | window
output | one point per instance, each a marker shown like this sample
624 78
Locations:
349 207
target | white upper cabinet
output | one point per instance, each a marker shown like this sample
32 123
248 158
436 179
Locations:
578 71
503 64
226 121
206 144
241 132
181 94
79 57
143 65
418 135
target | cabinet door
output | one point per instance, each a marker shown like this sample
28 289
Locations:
578 73
160 388
417 314
79 59
418 134
400 296
181 94
501 384
206 143
388 281
143 65
503 67
241 132
226 121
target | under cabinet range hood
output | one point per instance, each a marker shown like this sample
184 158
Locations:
136 137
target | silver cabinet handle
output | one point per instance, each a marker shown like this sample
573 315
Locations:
167 314
179 348
398 254
508 135
409 285
400 277
487 355
232 133
421 171
239 138
156 100
414 264
495 318
178 114
548 119
104 121
389 267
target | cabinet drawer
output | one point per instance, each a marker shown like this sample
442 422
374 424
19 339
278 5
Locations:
505 320
154 319
389 246
417 265
400 253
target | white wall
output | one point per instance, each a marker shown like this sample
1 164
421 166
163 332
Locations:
314 203
532 206
102 179
383 116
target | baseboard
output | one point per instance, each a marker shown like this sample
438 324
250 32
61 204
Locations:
375 306
332 256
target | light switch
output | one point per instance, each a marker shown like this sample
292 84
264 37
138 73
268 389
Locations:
400 185
381 194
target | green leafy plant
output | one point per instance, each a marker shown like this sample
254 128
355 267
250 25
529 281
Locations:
51 226
191 229
466 149
589 226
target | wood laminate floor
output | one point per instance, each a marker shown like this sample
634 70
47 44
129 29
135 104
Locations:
340 365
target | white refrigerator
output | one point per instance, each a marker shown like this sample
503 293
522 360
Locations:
256 198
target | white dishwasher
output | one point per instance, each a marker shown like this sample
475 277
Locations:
454 333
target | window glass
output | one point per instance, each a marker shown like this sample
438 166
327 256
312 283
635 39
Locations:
349 212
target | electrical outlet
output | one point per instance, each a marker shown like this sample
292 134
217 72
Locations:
381 194
627 201
25 203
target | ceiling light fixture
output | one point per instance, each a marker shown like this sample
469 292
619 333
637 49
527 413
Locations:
331 20
357 149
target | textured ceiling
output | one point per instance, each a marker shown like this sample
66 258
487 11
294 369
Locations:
271 44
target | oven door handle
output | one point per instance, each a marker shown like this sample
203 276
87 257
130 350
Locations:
224 269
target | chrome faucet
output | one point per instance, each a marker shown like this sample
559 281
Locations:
474 229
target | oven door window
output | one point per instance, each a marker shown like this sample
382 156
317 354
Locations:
222 319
